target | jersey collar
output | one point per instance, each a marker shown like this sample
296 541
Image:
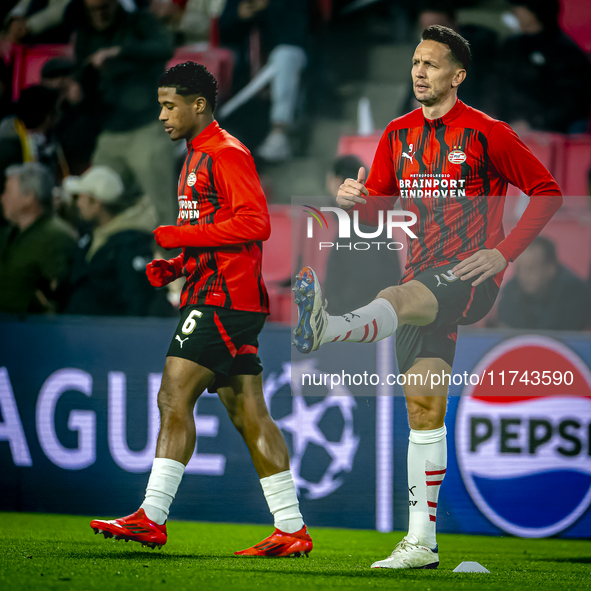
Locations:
202 138
452 114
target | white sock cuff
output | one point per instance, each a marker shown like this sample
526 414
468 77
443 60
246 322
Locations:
281 496
276 482
166 476
389 307
426 437
168 467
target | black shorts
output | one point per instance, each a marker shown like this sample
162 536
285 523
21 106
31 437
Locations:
459 304
222 340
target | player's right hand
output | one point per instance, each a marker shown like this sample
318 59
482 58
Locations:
160 272
351 191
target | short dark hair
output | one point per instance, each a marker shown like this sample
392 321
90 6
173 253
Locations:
548 249
458 46
190 78
347 166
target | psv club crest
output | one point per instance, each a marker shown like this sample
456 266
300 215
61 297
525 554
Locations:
192 179
457 157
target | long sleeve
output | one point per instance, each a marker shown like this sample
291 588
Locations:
236 178
381 184
178 263
516 164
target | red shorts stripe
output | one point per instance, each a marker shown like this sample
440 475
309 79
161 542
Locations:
432 518
246 349
375 331
225 335
434 472
431 504
347 335
434 482
470 302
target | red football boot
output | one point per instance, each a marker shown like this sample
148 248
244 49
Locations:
135 528
280 544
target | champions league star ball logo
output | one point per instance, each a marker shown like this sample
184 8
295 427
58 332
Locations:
526 458
303 426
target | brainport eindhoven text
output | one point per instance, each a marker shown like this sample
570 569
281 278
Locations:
430 187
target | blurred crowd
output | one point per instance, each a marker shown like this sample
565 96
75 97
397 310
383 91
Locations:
86 171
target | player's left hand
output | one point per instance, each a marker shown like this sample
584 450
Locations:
485 263
168 237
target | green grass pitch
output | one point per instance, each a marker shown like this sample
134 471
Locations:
61 552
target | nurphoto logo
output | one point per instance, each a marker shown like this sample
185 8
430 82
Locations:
386 220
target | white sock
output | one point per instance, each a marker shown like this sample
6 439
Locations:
369 324
282 499
427 463
164 481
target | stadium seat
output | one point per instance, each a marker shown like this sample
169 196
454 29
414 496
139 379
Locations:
576 164
572 235
218 60
575 21
28 61
277 263
362 146
281 306
547 148
277 259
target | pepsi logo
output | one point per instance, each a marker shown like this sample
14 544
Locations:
457 157
524 451
192 179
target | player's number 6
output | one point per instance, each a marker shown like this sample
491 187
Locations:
190 323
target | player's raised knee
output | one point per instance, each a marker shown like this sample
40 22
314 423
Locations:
414 303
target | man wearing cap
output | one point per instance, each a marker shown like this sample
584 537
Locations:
109 277
36 248
544 79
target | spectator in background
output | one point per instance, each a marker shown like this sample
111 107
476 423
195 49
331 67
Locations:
28 135
283 29
170 12
196 20
543 294
121 57
544 79
475 89
38 21
367 271
188 20
109 273
78 126
36 248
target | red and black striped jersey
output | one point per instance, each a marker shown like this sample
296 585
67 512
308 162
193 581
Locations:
453 172
220 196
